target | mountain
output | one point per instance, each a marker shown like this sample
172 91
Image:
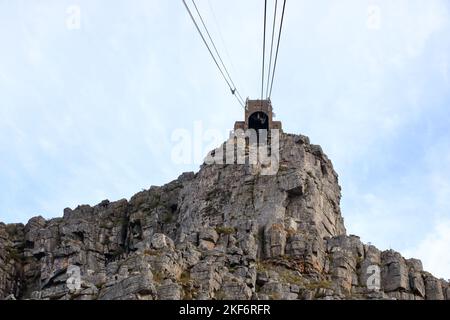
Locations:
225 232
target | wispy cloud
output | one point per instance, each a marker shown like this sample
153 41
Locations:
433 250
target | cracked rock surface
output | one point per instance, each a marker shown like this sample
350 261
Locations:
225 232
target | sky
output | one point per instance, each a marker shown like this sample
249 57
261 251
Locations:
91 93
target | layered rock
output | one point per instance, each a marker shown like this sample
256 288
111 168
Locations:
11 242
225 232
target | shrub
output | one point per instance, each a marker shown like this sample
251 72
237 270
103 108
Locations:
225 230
319 284
185 277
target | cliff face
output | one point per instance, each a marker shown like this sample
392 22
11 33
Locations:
223 233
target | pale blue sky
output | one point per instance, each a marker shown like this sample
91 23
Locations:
88 114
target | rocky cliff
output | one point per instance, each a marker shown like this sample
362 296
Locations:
222 233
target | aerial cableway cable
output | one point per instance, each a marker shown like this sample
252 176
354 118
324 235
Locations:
224 44
278 47
271 47
264 49
232 87
217 52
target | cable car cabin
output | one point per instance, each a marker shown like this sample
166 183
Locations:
258 115
258 120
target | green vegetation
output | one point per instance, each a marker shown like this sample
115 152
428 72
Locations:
319 284
189 294
291 277
100 285
190 289
151 252
262 266
158 276
11 229
220 295
123 220
359 260
105 225
231 269
225 230
168 218
277 227
275 296
13 254
185 277
319 295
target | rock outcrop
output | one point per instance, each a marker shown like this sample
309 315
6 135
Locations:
222 233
